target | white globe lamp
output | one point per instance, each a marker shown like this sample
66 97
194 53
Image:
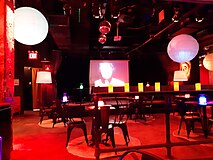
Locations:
208 62
30 26
182 48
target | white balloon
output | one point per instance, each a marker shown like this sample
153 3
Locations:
30 26
208 62
182 48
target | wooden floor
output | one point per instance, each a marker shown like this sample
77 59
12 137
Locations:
33 142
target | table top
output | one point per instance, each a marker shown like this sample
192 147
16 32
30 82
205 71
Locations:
70 104
196 102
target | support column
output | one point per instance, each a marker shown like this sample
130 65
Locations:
6 50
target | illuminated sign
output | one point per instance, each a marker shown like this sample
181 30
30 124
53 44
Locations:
32 54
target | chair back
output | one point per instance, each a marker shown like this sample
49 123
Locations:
77 111
104 116
147 101
181 107
120 110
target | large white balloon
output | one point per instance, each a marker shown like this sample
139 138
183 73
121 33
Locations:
182 48
30 26
208 62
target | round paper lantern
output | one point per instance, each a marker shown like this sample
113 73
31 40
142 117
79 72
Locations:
30 26
208 62
182 48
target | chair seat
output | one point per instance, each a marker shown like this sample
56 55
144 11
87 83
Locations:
76 120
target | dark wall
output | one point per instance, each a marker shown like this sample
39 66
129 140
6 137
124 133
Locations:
147 68
72 72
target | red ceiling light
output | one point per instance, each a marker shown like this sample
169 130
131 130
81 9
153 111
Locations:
180 76
104 27
102 38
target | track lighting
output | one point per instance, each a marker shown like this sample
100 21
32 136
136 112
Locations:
176 16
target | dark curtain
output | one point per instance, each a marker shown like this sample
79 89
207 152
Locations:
56 62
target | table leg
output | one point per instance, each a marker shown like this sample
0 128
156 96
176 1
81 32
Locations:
205 119
168 140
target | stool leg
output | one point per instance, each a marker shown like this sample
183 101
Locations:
180 126
69 130
85 133
188 127
41 119
210 126
125 133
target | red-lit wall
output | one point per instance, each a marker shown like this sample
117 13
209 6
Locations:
204 75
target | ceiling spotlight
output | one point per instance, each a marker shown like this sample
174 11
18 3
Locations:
199 19
200 62
176 16
115 9
96 10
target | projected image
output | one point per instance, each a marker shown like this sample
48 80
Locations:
103 73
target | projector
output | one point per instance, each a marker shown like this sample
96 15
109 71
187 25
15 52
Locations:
117 38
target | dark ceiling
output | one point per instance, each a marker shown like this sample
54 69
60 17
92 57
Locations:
74 26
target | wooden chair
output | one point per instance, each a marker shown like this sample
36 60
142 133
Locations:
75 120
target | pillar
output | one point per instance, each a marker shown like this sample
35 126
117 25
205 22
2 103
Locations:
6 50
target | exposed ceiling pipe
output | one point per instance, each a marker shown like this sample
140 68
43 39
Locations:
167 27
151 38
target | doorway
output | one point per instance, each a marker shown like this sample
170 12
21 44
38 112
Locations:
32 91
27 88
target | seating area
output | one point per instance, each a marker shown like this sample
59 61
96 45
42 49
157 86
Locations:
146 132
112 115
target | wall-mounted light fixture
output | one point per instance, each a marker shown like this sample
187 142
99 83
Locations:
180 76
44 77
